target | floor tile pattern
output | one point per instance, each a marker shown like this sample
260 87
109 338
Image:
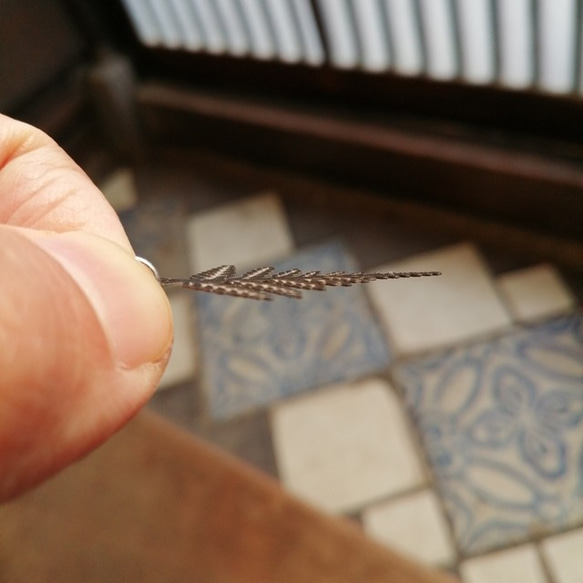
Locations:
535 293
256 352
428 313
245 233
500 420
343 447
502 424
518 564
414 525
564 556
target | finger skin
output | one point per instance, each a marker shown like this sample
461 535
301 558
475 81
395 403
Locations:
41 187
85 331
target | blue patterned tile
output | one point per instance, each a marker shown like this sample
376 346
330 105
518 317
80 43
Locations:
502 426
254 353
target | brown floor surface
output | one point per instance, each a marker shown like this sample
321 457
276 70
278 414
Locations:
154 504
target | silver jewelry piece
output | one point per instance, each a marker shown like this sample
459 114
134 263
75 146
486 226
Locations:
264 282
150 266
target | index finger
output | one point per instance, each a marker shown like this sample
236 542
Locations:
41 187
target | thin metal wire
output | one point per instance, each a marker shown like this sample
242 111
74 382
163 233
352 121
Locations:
150 266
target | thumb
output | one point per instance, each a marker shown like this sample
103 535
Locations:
85 332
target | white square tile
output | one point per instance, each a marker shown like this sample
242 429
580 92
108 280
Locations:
518 564
183 360
535 293
421 314
413 525
564 556
245 233
346 446
119 189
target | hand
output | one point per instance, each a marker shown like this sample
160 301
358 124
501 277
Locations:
85 330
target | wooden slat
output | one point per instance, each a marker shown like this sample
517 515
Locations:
502 183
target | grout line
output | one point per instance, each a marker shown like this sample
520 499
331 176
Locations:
545 567
534 540
396 496
513 329
414 434
433 482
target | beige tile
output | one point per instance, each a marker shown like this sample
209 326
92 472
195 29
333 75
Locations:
345 446
510 566
535 293
119 189
183 360
420 314
245 233
564 556
413 525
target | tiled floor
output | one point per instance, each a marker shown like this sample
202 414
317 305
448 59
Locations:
413 524
461 304
564 557
264 358
502 425
246 233
346 446
535 293
518 564
444 414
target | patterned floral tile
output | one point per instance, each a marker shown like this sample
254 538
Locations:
422 314
254 353
414 525
502 425
346 446
518 564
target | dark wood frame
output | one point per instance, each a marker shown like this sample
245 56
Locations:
506 155
488 107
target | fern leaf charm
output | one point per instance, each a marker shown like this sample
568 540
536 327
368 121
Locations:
263 283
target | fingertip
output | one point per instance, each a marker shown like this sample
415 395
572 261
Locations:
131 305
85 333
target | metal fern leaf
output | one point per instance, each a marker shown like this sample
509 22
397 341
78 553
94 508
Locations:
263 283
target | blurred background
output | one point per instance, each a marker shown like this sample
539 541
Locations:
441 417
